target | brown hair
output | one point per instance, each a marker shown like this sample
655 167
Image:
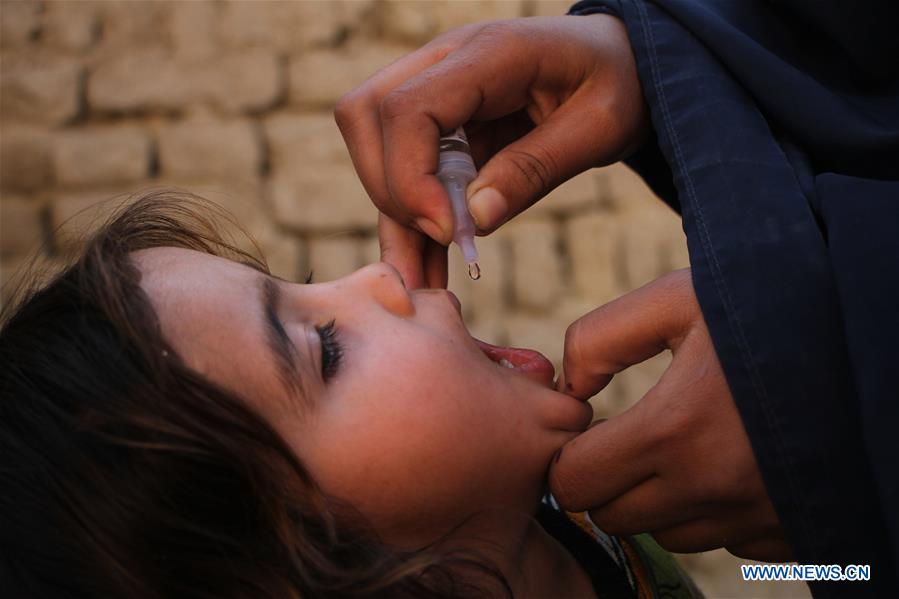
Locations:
125 473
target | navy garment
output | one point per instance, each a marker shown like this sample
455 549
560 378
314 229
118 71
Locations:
777 138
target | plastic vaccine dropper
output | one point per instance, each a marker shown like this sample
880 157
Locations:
456 170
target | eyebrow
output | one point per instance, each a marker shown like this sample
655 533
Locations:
279 344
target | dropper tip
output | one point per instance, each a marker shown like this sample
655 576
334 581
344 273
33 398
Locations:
474 271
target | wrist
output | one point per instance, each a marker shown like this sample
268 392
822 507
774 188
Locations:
620 74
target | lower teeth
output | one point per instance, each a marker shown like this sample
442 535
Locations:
506 363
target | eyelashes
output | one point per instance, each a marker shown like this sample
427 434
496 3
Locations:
332 352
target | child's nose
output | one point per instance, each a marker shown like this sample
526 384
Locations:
384 284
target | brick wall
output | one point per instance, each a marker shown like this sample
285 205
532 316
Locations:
233 100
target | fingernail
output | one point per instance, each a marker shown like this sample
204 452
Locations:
488 208
431 229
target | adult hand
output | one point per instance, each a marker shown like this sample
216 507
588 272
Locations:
678 463
542 99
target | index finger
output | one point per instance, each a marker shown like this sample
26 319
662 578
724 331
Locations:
421 261
626 331
358 118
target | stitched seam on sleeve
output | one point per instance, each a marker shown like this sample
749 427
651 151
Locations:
720 283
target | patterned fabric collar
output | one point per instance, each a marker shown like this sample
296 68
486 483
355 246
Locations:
618 567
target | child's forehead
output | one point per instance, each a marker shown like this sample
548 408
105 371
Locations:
207 306
186 280
170 261
172 254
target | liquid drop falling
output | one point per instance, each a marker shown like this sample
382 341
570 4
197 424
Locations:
474 271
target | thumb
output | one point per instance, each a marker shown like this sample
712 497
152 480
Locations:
603 462
530 167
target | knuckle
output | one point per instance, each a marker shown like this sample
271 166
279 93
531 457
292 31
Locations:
504 31
446 44
535 165
346 110
564 488
677 292
396 104
494 29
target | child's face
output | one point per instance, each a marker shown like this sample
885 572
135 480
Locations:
416 427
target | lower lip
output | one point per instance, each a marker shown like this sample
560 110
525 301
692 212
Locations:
527 362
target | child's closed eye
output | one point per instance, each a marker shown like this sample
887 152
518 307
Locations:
332 352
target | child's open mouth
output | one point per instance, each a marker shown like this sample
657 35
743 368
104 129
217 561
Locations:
528 362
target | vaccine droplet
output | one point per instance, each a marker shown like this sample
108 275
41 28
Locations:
474 271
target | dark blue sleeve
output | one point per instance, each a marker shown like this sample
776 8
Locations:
777 134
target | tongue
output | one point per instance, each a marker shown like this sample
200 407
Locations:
528 362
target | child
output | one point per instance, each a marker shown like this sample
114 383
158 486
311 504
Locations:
177 422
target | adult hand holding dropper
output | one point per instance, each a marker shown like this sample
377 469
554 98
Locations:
542 99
